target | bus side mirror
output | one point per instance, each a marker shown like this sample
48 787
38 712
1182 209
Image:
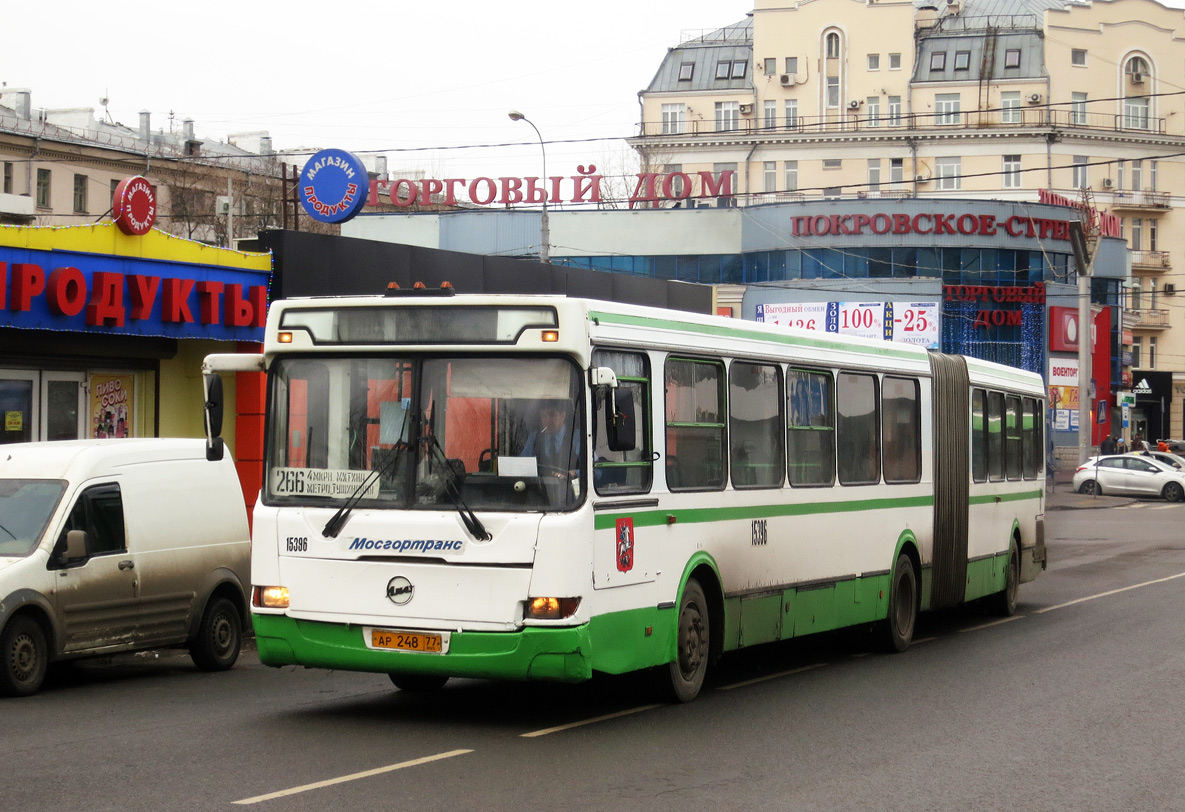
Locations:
620 421
214 445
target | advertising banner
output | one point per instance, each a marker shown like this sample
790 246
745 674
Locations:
111 400
904 322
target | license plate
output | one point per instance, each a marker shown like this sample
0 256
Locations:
396 640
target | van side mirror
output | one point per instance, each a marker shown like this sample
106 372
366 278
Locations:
75 544
214 445
620 421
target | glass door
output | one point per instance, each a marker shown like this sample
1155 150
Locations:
62 394
19 401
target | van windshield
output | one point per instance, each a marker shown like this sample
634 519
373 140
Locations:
25 508
484 432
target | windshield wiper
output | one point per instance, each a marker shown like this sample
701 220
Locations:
472 523
338 520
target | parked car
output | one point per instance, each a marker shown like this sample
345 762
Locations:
1133 474
1172 460
118 545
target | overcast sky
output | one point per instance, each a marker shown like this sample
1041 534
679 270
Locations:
405 76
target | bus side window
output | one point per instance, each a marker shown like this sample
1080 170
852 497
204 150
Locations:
995 435
624 472
810 428
857 429
755 425
979 435
696 431
901 430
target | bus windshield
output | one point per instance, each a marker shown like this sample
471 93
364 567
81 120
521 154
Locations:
492 433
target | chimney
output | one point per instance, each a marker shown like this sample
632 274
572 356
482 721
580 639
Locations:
187 129
380 166
145 125
265 145
23 104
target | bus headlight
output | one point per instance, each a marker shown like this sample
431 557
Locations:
271 597
551 608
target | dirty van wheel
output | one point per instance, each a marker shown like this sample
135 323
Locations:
216 646
26 657
692 636
418 683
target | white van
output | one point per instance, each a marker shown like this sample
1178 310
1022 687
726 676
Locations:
118 545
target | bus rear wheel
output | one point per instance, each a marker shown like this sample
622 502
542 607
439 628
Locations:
897 628
1004 602
418 683
686 672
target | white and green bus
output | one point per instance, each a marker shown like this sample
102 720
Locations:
544 488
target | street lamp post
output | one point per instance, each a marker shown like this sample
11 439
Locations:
545 232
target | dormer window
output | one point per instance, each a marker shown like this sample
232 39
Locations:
962 60
1012 58
738 69
937 61
686 69
722 69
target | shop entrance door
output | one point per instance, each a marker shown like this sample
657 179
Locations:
42 405
19 401
63 400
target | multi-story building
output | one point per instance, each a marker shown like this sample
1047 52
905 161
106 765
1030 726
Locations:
1008 100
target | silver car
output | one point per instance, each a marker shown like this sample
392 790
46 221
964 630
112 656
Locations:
1132 474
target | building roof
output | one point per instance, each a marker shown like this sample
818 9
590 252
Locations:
706 54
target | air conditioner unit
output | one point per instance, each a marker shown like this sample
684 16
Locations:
920 178
1137 78
1108 183
1034 98
1170 289
787 79
222 205
746 109
854 105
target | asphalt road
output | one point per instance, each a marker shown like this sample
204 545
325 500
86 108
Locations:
1074 704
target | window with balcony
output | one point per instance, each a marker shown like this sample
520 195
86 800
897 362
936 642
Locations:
1136 113
1137 175
894 110
769 176
1010 107
948 171
791 176
896 171
874 173
1137 239
1011 172
1152 172
791 113
946 109
728 116
1152 235
872 111
1119 166
769 113
673 116
1078 109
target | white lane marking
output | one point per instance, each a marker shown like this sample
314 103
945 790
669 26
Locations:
535 733
991 623
353 777
1111 592
755 680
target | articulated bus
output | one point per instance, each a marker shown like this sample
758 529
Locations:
545 488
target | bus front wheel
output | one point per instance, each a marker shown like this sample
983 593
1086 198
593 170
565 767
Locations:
686 672
903 606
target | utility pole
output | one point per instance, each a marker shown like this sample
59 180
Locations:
1084 241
